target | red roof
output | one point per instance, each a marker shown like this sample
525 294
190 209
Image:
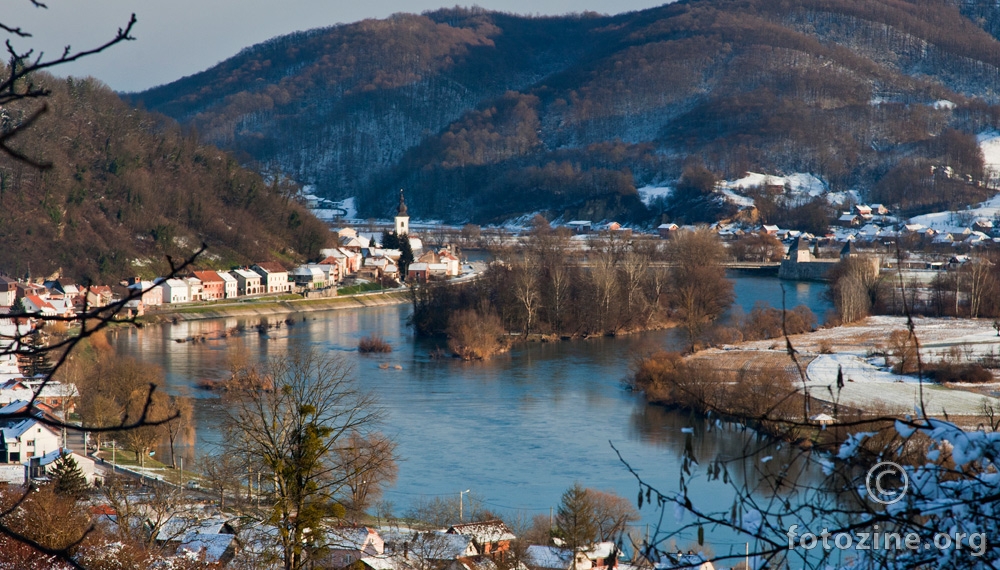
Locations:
208 276
39 302
272 267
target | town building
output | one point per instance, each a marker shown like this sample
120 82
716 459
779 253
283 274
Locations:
402 225
274 277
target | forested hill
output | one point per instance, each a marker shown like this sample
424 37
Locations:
127 188
483 115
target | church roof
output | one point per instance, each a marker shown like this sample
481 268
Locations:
402 204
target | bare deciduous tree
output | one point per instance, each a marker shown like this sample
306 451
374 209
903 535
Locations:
289 416
369 462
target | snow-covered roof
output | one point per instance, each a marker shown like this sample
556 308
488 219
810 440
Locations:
213 546
484 532
351 538
548 556
600 550
449 546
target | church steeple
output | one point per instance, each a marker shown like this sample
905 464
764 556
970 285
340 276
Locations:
402 204
402 219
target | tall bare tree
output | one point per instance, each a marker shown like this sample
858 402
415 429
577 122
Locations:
290 416
698 289
526 288
369 463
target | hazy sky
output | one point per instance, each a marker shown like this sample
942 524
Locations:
175 38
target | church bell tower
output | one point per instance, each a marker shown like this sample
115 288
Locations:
402 219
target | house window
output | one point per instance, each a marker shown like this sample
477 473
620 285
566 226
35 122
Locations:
31 443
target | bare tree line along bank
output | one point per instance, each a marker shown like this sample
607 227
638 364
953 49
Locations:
538 289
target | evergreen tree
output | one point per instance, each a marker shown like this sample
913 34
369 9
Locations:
39 362
406 254
389 240
575 520
18 308
68 477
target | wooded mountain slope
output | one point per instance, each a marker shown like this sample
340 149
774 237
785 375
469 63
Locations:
483 115
127 188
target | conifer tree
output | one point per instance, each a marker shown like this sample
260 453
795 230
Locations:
68 477
575 520
406 254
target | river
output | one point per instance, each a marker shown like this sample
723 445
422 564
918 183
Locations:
517 430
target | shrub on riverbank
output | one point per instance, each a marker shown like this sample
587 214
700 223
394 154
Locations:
374 344
753 396
475 335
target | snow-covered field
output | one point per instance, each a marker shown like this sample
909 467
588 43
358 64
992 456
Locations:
868 383
869 386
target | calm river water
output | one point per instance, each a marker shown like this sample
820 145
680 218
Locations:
517 430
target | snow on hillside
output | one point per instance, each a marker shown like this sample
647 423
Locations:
649 193
989 143
944 221
802 187
344 209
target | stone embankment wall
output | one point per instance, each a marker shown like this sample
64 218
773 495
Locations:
281 307
806 271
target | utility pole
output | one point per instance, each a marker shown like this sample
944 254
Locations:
460 501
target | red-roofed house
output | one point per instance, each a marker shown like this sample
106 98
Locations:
99 296
212 286
37 305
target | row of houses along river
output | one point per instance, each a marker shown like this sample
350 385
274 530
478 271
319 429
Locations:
516 430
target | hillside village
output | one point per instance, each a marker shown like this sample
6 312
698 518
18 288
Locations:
359 258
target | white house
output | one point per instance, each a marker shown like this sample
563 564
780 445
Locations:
194 288
40 466
231 287
24 437
274 277
248 282
175 291
37 305
151 294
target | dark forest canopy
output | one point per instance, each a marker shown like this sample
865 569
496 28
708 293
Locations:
482 116
127 188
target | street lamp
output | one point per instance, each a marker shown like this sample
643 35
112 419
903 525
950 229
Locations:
460 495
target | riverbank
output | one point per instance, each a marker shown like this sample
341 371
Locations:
863 354
265 308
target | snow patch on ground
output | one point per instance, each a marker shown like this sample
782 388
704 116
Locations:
989 143
868 382
943 221
737 199
800 183
344 209
866 385
943 104
802 187
649 193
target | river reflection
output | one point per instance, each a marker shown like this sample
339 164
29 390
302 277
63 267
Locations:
517 430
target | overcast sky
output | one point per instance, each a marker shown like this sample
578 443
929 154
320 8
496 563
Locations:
175 38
